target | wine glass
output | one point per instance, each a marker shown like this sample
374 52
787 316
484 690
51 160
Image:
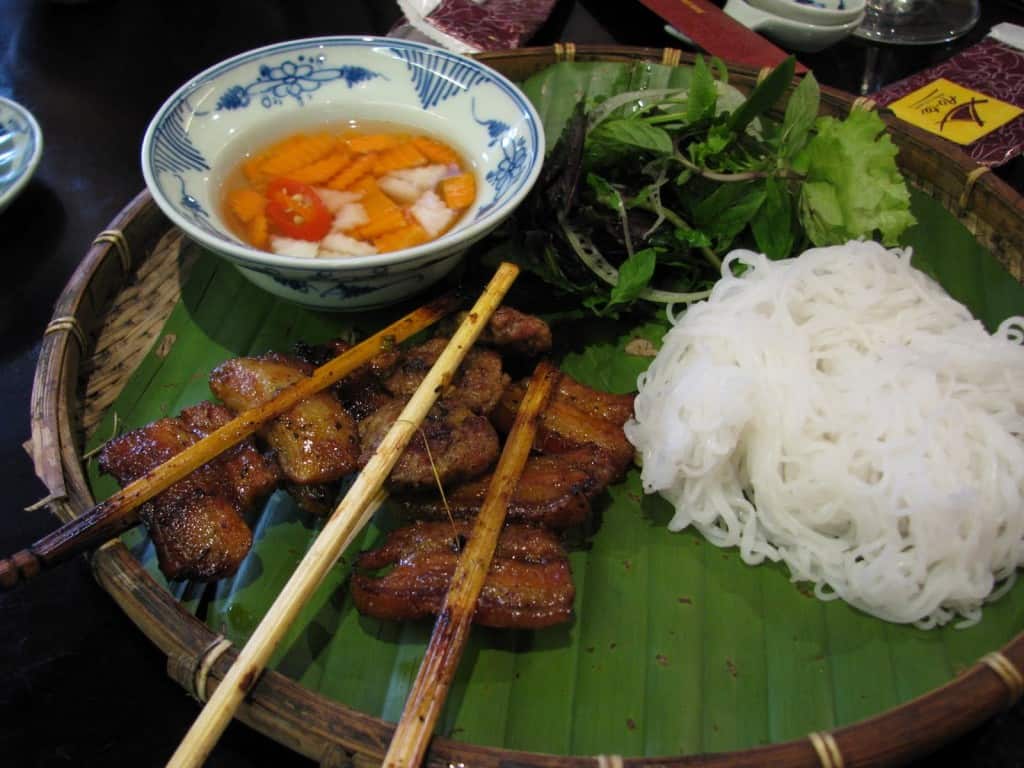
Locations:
917 22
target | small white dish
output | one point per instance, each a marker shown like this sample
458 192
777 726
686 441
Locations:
21 147
205 129
791 34
824 12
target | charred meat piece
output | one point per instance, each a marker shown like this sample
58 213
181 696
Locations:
316 441
524 334
197 536
397 373
249 474
512 330
477 385
554 491
196 524
565 425
604 405
317 499
462 445
528 586
362 391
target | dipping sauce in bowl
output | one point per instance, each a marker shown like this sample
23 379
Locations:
350 191
197 146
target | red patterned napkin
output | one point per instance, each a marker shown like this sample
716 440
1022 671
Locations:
466 26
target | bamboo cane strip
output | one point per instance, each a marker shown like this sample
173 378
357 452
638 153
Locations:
109 518
426 699
352 513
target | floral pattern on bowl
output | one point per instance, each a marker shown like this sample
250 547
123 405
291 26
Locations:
204 129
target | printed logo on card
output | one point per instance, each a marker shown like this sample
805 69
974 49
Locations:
954 112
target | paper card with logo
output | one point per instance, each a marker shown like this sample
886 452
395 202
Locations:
954 112
974 99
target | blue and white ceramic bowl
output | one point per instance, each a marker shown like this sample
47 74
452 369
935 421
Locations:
206 128
21 147
820 12
790 33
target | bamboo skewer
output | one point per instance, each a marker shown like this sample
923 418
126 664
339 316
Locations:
426 699
113 516
351 514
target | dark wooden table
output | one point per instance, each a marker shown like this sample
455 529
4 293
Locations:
79 684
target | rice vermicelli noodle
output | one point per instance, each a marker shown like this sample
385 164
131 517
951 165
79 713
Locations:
841 413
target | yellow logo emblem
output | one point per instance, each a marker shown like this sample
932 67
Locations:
954 112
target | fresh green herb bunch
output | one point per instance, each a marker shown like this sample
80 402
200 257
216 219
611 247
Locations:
646 191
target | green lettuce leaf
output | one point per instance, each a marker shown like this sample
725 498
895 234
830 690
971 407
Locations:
852 186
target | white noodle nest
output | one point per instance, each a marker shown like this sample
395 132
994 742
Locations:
841 413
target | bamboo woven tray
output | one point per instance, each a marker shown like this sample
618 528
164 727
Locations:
113 310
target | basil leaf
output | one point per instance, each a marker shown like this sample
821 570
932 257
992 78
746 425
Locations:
634 275
801 112
764 96
621 139
717 141
693 237
773 223
703 95
725 212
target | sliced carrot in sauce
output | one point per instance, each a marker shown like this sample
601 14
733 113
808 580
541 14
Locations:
459 191
373 142
253 167
365 185
358 168
292 156
258 231
398 158
351 163
383 213
435 151
246 203
322 170
406 237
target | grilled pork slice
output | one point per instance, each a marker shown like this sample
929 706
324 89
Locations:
362 391
528 586
603 405
571 421
462 445
397 372
196 524
316 441
317 499
512 330
477 385
554 490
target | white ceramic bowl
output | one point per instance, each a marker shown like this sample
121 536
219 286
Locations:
241 105
821 12
791 34
21 147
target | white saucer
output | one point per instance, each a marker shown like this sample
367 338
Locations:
21 146
789 33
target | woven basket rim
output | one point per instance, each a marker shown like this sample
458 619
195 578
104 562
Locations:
326 730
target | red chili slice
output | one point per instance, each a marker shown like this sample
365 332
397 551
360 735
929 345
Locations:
295 210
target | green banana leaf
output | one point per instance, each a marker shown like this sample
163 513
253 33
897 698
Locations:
676 647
